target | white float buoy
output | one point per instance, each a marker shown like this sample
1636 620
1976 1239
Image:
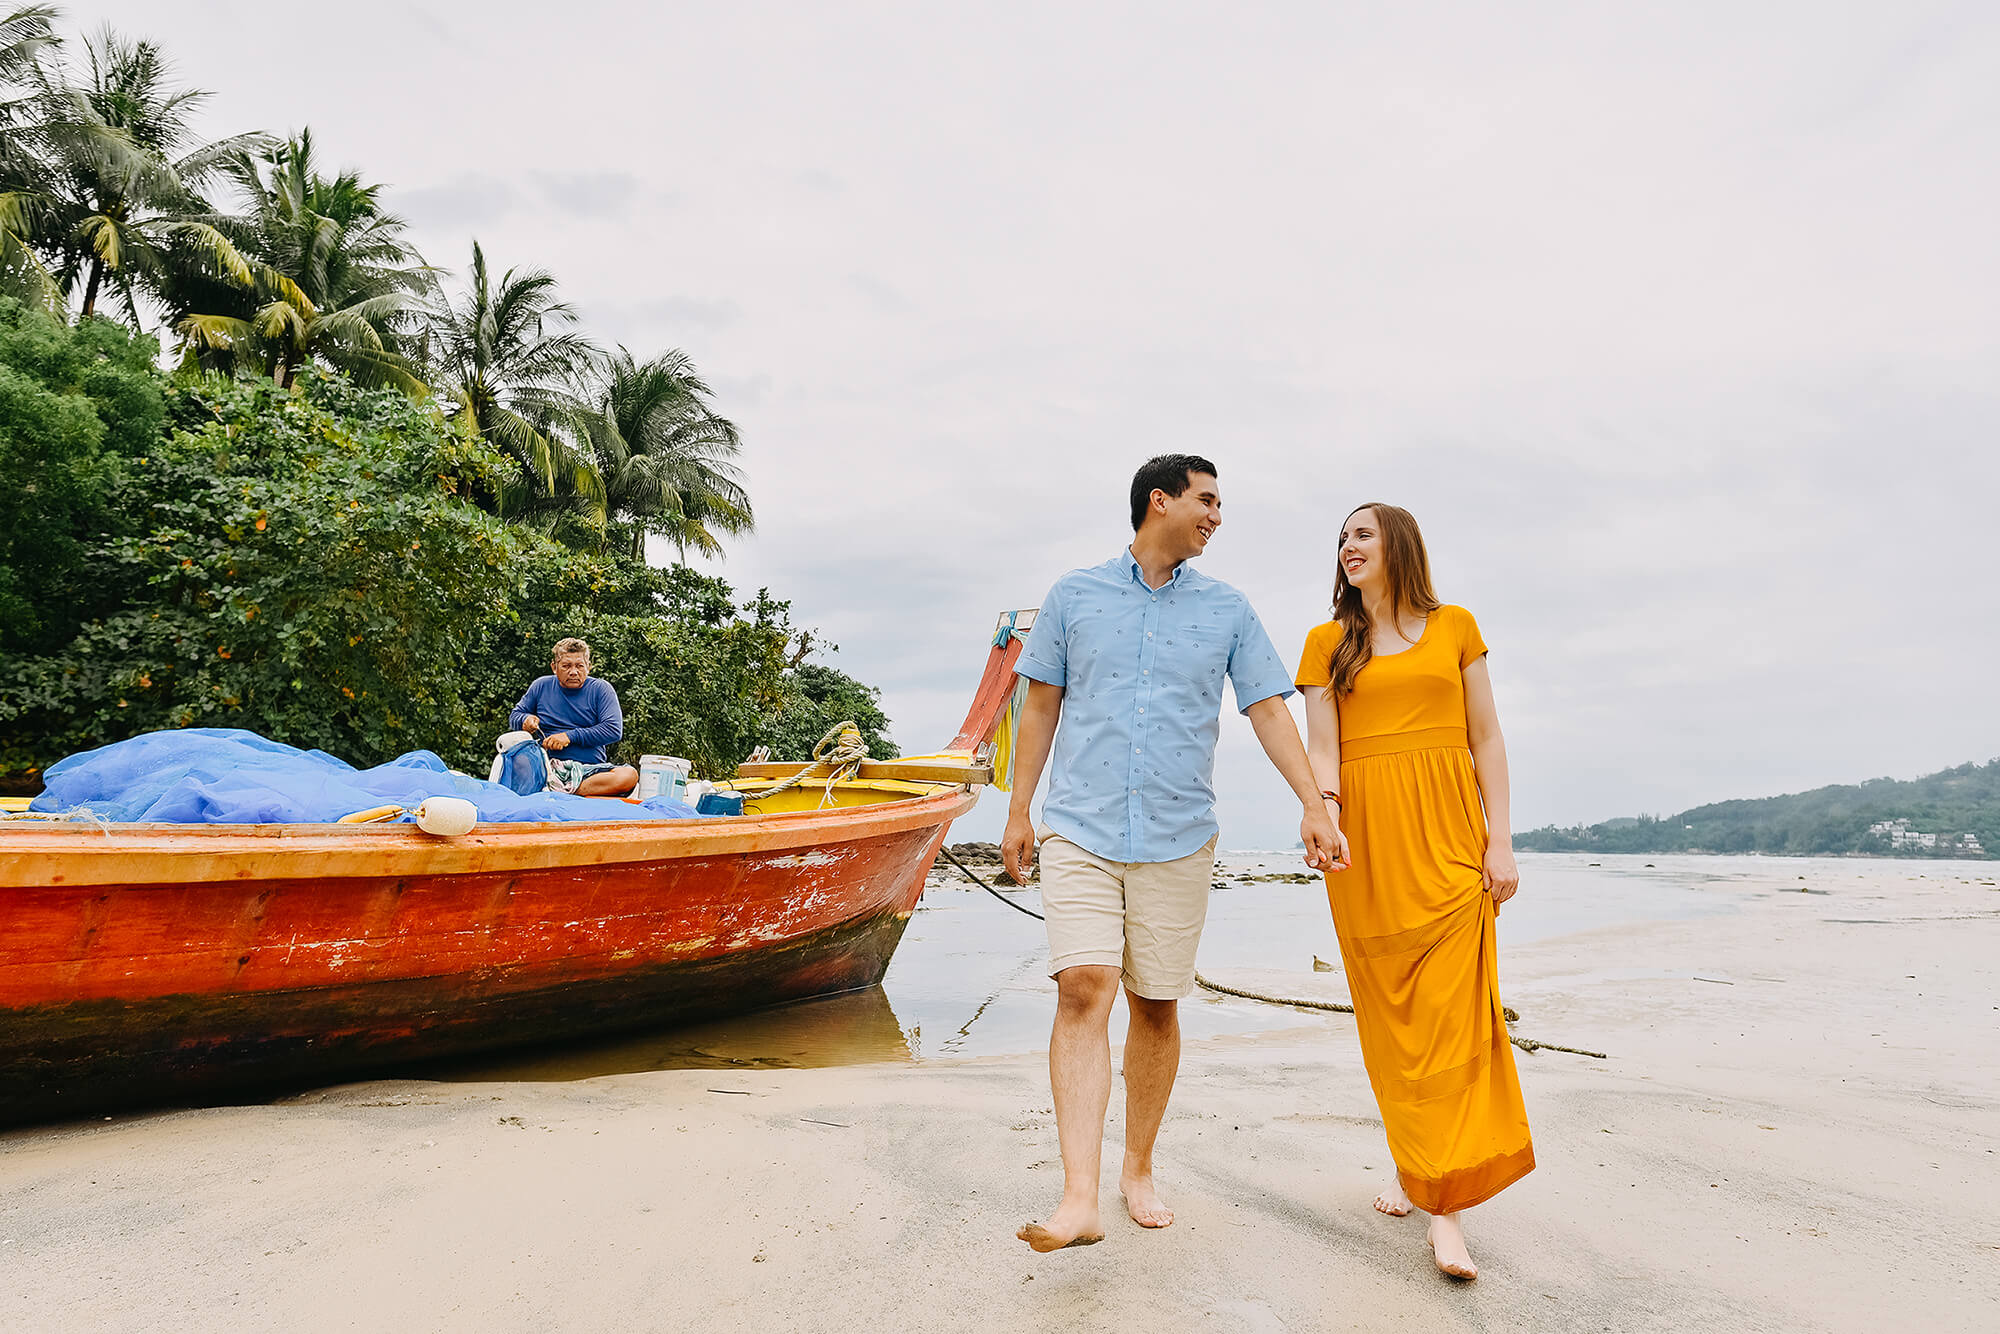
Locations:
447 817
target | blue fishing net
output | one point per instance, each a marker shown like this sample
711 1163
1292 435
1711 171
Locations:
218 775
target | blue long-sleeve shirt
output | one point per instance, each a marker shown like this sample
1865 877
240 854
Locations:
589 715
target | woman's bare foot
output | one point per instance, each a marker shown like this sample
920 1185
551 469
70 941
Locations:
1393 1201
1144 1203
1447 1241
1069 1225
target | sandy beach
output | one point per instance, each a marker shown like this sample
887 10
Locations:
1796 1130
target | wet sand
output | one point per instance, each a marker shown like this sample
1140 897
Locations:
1796 1129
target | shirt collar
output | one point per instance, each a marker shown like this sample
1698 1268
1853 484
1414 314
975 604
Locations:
1132 568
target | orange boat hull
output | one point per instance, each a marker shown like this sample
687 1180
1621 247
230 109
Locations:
146 963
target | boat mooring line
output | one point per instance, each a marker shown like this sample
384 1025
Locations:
946 854
1525 1044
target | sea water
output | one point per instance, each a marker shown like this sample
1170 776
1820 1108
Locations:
970 977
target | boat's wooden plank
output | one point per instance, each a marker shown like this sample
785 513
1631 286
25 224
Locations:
920 771
37 854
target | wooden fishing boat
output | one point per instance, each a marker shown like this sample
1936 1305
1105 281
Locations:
146 963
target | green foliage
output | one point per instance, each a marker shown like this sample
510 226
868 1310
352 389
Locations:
818 698
331 279
1823 822
296 564
312 566
667 459
697 675
77 406
325 564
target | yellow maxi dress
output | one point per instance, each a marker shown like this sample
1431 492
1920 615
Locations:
1415 923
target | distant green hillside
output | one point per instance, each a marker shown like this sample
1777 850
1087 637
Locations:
1924 817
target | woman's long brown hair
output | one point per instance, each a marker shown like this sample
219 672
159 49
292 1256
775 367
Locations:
1409 576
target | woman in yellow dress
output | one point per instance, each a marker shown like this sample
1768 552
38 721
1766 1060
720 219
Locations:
1404 740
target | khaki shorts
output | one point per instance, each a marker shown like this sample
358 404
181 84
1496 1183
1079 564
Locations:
1144 918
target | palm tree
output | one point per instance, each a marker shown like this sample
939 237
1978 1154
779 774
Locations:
24 35
332 279
503 355
114 196
666 458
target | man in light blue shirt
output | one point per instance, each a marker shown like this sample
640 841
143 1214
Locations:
1130 657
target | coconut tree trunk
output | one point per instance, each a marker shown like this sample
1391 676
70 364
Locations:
90 288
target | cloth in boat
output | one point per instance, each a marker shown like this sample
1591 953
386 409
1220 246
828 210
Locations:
213 775
1141 670
589 715
1416 926
568 775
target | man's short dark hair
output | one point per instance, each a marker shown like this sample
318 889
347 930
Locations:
1163 472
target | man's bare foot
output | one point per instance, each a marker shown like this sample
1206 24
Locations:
1067 1226
1447 1241
1144 1203
1393 1201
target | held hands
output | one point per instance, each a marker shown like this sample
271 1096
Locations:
1326 846
1500 875
1017 846
555 741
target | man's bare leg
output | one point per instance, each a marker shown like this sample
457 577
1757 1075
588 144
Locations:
1080 1076
611 783
1152 1059
1447 1238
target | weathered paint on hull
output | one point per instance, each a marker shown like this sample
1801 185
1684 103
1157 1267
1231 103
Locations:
62 1060
132 971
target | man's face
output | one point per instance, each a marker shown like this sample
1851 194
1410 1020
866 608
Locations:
1191 517
570 669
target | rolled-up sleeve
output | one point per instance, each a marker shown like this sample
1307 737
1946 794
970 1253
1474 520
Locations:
1046 658
1256 672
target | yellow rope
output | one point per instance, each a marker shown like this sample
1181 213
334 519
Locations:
842 750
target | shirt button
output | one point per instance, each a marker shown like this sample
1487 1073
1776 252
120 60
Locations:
1149 634
1142 710
1147 672
1138 750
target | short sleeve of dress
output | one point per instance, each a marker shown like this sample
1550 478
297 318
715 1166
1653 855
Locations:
1470 646
1316 662
1046 655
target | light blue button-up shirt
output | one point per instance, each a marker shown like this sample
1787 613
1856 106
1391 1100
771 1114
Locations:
1141 671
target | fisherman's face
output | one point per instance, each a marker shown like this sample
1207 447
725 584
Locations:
570 669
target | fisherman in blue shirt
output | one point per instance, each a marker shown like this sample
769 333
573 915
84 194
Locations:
577 717
1130 656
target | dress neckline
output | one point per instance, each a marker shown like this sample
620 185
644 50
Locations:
1416 643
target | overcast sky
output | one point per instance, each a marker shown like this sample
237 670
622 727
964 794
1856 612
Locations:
1677 330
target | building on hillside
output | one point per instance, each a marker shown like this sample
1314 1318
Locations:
1970 843
1900 835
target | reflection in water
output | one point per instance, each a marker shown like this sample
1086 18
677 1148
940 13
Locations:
857 1028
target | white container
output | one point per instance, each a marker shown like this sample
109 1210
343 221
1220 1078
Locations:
663 776
694 791
652 773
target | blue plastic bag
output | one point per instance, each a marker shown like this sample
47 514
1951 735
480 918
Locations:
524 768
215 775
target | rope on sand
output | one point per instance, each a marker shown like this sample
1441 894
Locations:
946 854
1525 1044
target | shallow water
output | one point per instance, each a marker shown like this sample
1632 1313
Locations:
968 979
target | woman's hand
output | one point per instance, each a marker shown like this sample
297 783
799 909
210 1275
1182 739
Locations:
1500 875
